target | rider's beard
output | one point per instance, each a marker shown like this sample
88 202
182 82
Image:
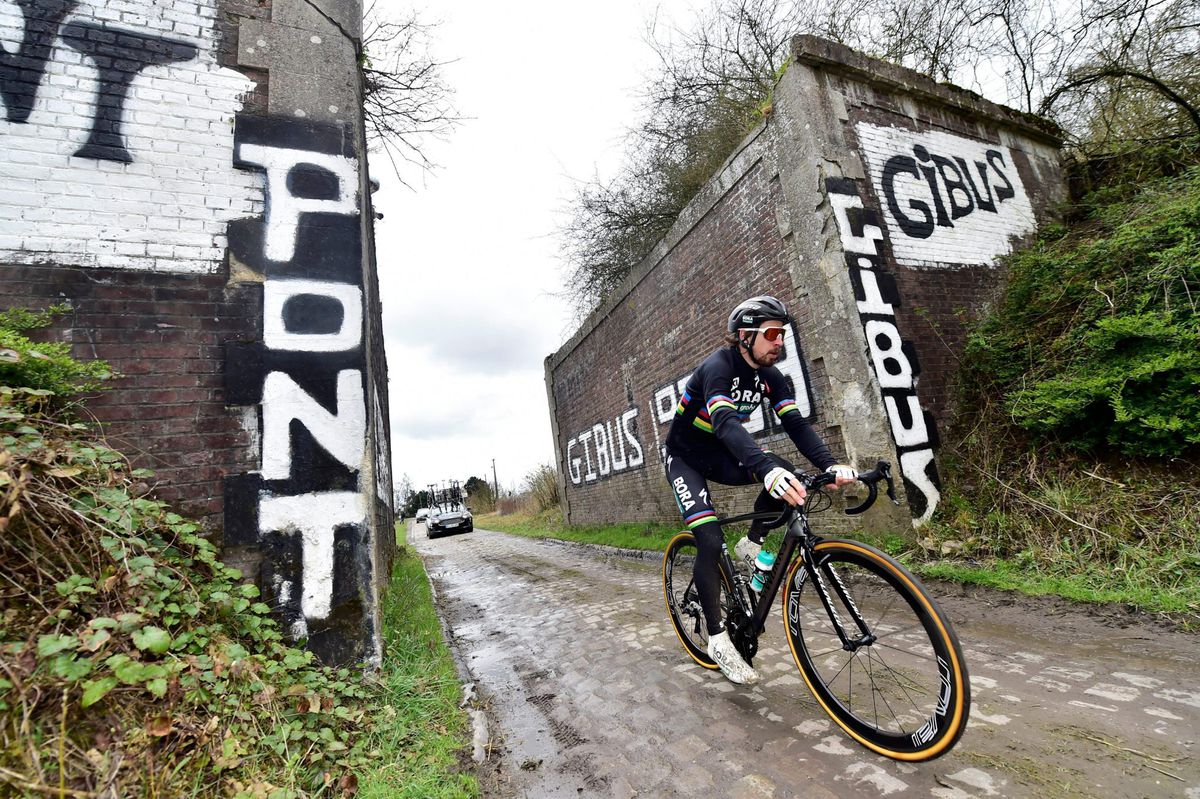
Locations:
770 358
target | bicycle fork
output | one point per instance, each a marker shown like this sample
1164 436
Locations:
823 578
827 582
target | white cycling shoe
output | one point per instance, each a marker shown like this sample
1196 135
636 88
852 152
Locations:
722 650
745 551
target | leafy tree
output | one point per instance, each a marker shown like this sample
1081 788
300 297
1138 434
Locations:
416 500
479 494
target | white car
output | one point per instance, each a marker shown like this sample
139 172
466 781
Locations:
422 514
455 519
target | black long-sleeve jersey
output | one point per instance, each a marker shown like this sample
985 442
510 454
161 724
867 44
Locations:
718 398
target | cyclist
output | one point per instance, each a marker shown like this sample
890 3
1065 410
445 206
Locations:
708 442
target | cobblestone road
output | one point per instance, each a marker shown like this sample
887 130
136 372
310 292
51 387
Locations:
590 694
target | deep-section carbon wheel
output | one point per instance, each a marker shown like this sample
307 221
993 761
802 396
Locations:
683 600
899 687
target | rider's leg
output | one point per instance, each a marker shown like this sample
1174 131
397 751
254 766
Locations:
708 573
708 584
691 495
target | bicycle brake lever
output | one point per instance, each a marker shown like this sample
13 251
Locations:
882 471
885 469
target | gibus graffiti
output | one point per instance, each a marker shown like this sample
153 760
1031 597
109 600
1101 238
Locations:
307 506
606 448
893 359
948 200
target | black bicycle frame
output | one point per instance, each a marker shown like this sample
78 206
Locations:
799 535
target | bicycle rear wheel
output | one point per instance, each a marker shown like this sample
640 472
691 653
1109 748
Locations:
901 687
683 599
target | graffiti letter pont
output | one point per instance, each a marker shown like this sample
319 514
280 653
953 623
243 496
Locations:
307 506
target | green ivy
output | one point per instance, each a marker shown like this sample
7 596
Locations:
43 366
121 616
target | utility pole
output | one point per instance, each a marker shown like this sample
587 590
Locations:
495 484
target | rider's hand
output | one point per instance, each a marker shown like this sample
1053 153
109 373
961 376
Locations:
845 475
782 484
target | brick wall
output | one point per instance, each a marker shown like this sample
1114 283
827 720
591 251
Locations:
74 191
875 203
164 335
177 173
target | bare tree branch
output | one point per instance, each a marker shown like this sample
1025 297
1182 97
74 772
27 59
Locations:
1107 71
406 100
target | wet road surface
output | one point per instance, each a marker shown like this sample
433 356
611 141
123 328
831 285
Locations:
589 693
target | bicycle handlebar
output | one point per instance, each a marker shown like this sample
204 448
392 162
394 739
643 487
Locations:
882 471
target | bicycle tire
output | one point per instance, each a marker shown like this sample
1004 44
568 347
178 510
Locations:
683 601
906 695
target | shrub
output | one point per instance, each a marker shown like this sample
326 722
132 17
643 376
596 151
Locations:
1097 342
542 485
43 366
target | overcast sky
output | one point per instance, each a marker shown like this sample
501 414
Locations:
469 266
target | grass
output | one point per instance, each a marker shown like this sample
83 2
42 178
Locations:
1135 579
1095 585
421 734
644 536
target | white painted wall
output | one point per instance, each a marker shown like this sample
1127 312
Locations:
167 210
976 237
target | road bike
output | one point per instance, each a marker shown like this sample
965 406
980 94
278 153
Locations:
874 649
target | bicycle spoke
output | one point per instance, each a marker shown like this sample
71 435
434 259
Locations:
881 695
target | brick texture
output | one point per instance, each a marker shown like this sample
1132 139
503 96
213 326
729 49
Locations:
163 335
151 185
117 155
666 325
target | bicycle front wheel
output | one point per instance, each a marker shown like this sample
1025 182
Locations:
683 598
894 679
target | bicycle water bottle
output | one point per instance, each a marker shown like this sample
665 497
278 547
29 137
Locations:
762 570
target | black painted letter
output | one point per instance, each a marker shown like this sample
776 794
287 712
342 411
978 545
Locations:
903 164
120 55
21 73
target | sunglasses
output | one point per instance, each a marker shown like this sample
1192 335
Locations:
771 334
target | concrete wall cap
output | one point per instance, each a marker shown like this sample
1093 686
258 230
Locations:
829 56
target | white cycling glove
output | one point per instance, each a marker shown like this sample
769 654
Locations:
843 472
779 480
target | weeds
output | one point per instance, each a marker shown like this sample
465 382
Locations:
133 662
1070 468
